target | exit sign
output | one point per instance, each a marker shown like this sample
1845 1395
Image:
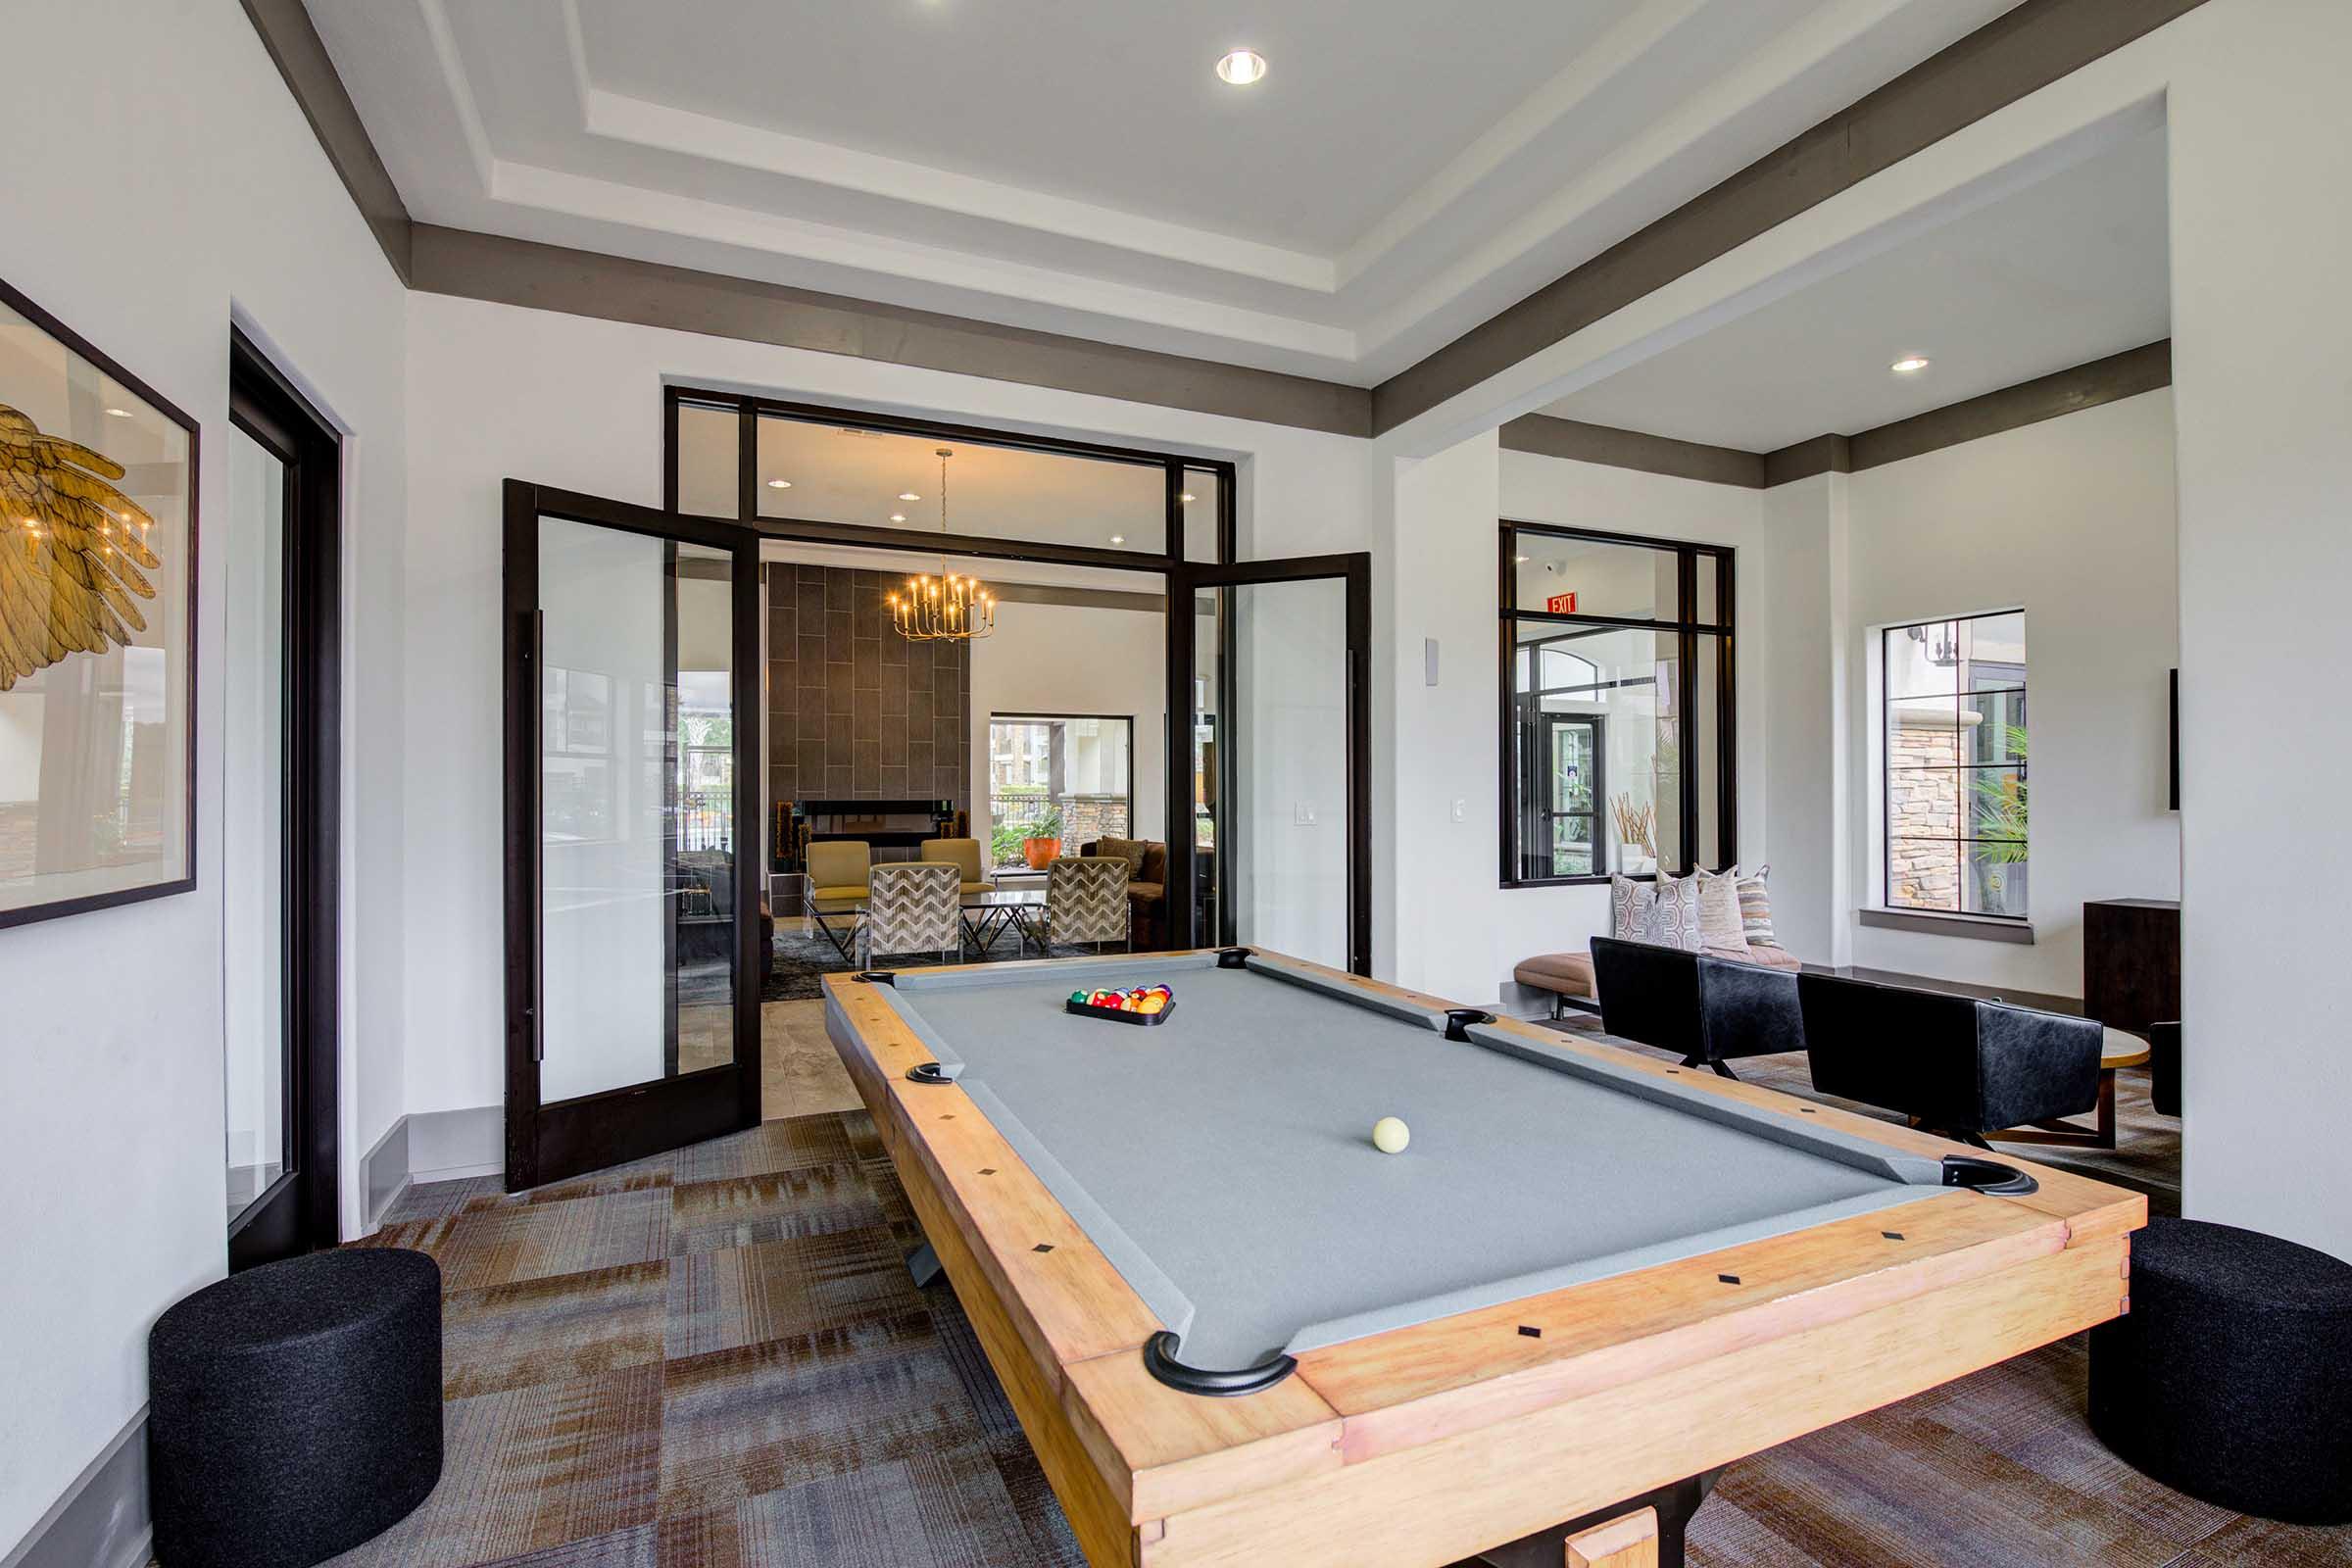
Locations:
1561 603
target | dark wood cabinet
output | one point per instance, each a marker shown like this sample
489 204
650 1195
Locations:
2132 963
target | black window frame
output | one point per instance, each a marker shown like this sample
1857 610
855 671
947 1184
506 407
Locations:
1963 813
1036 716
750 408
1688 630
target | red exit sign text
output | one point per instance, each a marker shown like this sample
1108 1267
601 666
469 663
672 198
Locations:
1561 603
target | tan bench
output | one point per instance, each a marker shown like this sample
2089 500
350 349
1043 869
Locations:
1566 975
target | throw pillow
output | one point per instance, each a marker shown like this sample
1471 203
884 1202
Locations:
1129 849
1755 904
1674 921
1719 913
1631 905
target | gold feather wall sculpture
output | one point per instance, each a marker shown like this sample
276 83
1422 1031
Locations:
71 548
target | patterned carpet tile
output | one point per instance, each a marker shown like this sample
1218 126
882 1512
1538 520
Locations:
720 1300
789 1412
638 1547
770 1147
553 1328
2244 1541
638 1176
501 1244
941 1506
747 1210
530 1469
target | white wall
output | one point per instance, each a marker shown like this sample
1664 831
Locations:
1459 931
163 177
1077 659
497 391
2261 338
2075 521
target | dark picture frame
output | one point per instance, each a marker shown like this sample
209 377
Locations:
89 377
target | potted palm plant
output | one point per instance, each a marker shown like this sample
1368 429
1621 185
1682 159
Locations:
1044 841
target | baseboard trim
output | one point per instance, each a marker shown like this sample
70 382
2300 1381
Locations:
101 1519
432 1146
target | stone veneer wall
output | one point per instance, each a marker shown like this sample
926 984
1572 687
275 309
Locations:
1923 798
854 709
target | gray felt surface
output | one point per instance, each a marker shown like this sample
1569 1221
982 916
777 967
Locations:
1223 1161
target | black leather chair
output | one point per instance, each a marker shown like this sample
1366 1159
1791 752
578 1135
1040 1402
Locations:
2164 1068
1955 1064
1709 1012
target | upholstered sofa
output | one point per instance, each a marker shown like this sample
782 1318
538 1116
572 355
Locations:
1147 887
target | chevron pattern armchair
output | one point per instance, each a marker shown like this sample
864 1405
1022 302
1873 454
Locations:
1086 900
913 907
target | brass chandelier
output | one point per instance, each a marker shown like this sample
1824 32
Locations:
949 606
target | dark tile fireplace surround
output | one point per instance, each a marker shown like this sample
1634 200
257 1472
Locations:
856 711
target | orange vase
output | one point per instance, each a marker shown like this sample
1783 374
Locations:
1040 852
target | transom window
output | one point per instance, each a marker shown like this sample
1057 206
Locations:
1954 783
1616 726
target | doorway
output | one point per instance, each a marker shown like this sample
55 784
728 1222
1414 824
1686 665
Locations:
280 828
634 924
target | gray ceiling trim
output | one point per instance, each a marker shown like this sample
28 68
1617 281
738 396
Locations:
2070 391
2086 386
554 277
2018 53
1547 435
293 43
1824 454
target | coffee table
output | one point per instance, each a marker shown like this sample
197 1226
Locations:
984 915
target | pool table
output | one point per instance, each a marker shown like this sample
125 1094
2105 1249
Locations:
1236 1332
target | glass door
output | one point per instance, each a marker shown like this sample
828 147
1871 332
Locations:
633 884
282 583
1273 665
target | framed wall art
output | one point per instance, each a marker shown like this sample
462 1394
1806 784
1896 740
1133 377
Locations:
97 627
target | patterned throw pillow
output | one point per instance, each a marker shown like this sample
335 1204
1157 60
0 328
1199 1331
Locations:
1631 905
1674 921
1755 904
1129 849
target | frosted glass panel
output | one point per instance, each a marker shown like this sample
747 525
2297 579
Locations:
253 892
1287 866
636 809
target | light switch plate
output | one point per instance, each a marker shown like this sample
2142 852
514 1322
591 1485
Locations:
1429 661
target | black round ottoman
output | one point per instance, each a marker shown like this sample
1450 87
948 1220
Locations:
2231 1378
294 1410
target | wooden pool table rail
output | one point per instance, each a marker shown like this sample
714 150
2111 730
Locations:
1434 1442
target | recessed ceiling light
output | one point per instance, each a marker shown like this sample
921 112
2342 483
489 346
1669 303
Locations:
1242 67
908 495
1519 560
1119 538
1910 364
779 484
1185 496
897 516
120 413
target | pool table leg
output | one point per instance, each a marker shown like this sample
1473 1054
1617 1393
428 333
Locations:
1669 1508
923 1264
1629 1541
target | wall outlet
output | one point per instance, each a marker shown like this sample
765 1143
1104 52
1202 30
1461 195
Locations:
1304 813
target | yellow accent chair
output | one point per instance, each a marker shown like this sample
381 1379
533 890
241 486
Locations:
964 856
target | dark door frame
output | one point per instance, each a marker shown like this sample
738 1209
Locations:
548 1143
301 1212
1355 571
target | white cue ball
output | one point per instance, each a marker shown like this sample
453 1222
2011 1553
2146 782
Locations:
1390 1135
